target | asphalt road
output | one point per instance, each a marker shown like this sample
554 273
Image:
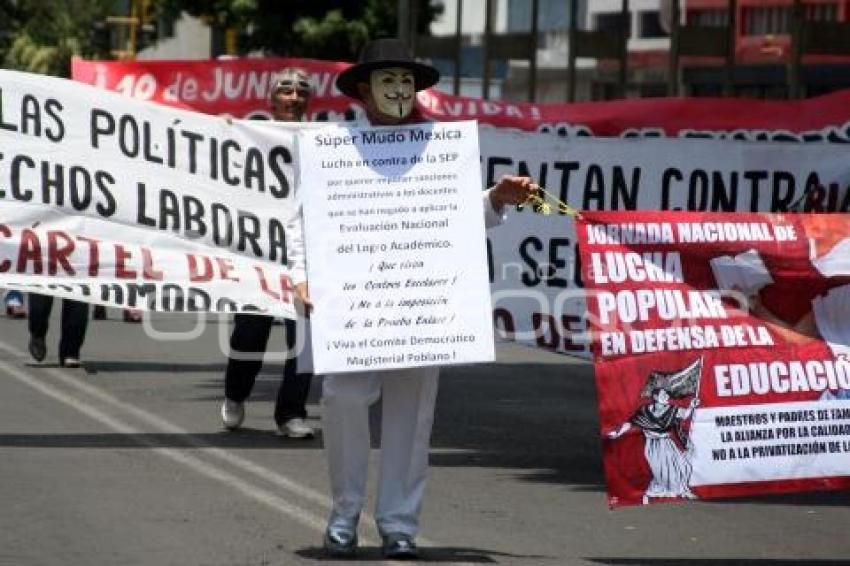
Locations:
124 462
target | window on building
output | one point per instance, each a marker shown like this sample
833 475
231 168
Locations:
519 16
765 20
713 18
603 91
649 25
822 12
554 14
165 27
651 90
607 21
551 15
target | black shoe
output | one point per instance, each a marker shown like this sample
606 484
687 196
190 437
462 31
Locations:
340 541
399 546
37 348
99 312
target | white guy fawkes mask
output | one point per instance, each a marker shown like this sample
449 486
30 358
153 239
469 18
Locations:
392 91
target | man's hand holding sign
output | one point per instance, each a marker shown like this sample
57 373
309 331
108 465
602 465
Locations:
510 190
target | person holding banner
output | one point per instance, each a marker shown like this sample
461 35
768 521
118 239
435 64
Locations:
289 98
75 319
385 81
14 301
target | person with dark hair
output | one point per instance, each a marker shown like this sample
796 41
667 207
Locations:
385 81
289 98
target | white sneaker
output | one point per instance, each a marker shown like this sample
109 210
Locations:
232 414
295 428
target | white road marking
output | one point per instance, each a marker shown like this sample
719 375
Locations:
181 456
367 531
178 455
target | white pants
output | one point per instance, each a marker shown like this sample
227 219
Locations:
408 413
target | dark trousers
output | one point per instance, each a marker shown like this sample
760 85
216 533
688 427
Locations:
14 296
75 319
251 335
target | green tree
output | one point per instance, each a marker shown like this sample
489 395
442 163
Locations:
41 36
9 22
321 29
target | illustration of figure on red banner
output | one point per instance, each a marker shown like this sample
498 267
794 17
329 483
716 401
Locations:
667 445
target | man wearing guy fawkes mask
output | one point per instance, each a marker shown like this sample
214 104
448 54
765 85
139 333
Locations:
392 94
385 80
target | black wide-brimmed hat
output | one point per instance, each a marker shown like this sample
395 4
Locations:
381 54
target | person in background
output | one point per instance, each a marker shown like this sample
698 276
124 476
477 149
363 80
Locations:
385 80
75 318
130 315
289 98
14 301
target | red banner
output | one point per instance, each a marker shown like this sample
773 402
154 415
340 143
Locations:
241 87
721 347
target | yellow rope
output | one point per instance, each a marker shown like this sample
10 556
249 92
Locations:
542 207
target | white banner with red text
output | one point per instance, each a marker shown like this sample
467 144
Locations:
132 204
721 350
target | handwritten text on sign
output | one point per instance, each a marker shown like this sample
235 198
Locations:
396 251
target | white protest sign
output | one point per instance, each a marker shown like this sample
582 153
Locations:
130 204
396 251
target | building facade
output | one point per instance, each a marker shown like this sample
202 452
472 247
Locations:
767 41
773 54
